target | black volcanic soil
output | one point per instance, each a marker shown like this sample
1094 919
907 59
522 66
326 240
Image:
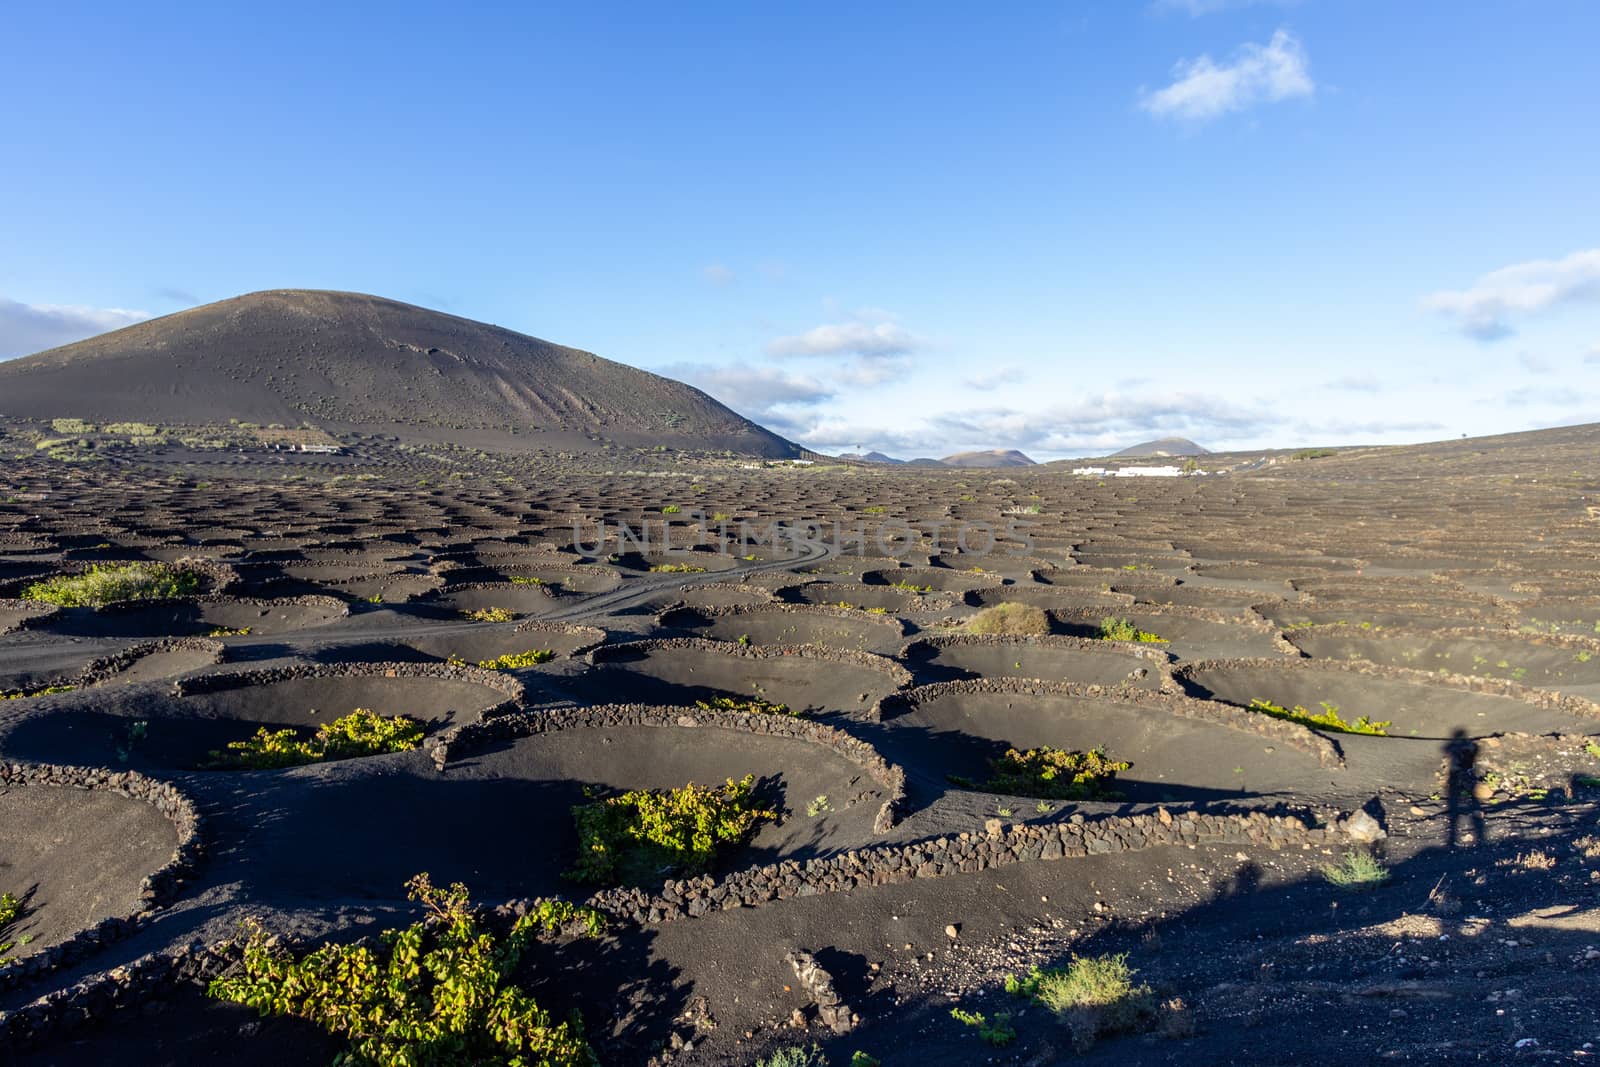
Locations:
1465 589
75 857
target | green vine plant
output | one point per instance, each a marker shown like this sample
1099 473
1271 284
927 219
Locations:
490 615
749 706
1054 774
644 834
10 911
1327 719
439 993
1114 628
360 733
516 661
114 583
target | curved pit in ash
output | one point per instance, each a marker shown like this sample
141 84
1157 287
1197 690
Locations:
1181 750
184 724
1188 633
1543 661
196 617
473 644
1418 705
683 671
789 624
76 857
1055 659
526 786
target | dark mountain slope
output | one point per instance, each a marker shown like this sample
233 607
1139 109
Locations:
346 360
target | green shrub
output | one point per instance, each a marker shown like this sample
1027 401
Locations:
1312 453
112 583
997 1032
360 733
1094 995
132 429
795 1056
1055 774
10 912
1103 982
23 694
752 706
490 615
911 587
438 993
1358 871
643 834
1113 628
671 509
1015 620
515 661
519 579
676 568
1327 719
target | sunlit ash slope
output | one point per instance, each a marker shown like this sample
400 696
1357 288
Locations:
345 360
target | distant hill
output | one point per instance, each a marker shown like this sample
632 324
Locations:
349 361
998 457
1166 446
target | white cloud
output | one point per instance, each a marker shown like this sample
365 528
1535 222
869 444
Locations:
766 394
1091 426
1354 383
717 274
869 339
29 328
1593 355
1534 364
1256 74
1484 309
993 379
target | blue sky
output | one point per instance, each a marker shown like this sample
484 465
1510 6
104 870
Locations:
913 227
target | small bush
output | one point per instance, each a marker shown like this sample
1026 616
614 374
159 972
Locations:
1327 719
1358 871
671 509
360 733
1095 995
1055 774
911 587
438 993
1113 628
1015 620
490 615
23 694
132 429
516 661
676 568
10 912
752 706
996 1032
112 583
795 1056
643 834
